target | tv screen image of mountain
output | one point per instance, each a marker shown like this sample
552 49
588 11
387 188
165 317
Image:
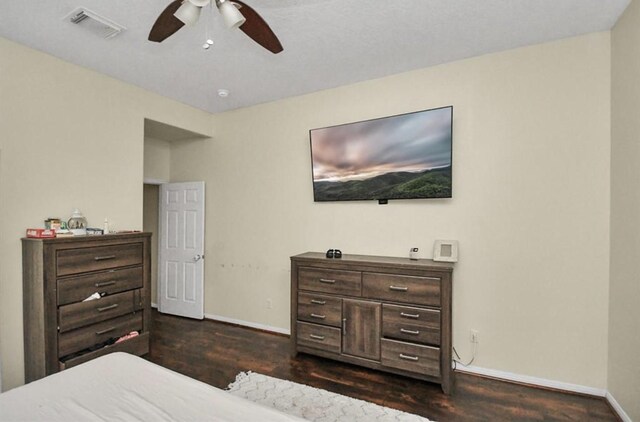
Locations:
407 156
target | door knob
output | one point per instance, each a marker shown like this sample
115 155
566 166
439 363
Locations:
198 258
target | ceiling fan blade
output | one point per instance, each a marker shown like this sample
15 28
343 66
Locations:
258 30
166 25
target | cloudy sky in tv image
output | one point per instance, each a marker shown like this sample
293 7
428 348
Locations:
411 142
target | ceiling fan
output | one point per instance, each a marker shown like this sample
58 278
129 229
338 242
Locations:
236 14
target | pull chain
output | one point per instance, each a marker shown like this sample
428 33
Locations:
209 42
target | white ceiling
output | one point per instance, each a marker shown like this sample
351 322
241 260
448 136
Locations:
327 43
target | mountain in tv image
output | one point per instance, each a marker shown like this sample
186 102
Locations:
433 183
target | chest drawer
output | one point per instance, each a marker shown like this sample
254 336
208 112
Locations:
82 338
319 337
402 288
138 345
80 314
320 309
412 324
77 289
330 281
74 261
411 357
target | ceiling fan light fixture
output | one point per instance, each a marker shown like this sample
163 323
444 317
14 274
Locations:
230 13
200 3
188 13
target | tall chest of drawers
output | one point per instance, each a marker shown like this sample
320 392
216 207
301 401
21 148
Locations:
61 330
390 314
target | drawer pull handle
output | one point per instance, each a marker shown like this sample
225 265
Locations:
318 302
398 288
327 281
408 357
344 326
104 258
318 316
412 332
412 316
106 308
105 283
99 333
315 337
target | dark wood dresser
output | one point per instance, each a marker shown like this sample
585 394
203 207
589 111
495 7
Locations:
391 314
60 330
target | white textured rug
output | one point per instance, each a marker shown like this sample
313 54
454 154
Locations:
312 403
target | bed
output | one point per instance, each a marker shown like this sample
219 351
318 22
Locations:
124 387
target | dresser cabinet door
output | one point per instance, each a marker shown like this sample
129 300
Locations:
361 328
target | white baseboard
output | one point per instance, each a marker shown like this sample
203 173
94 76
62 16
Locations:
248 324
526 379
619 410
262 327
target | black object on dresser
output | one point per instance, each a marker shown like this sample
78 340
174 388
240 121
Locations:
60 330
391 314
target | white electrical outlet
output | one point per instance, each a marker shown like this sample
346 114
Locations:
473 336
269 304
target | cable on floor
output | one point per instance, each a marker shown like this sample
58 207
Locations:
459 359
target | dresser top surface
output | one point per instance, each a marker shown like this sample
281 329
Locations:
65 239
375 260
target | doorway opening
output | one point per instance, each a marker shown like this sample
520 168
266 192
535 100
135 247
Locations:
159 139
150 211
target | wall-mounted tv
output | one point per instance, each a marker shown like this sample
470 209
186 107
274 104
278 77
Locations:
407 156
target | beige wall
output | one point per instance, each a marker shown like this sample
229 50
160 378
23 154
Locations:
70 138
624 305
157 159
530 206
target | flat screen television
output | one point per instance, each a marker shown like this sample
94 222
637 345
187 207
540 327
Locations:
407 156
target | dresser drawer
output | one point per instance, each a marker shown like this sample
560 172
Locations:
82 338
411 357
77 289
417 325
138 345
402 288
320 309
74 261
319 337
85 313
330 281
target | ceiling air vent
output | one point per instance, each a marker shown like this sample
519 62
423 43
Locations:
95 23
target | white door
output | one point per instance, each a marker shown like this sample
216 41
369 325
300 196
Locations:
181 249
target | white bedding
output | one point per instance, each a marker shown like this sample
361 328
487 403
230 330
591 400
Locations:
123 387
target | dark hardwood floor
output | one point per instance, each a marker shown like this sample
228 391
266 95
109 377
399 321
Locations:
215 352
